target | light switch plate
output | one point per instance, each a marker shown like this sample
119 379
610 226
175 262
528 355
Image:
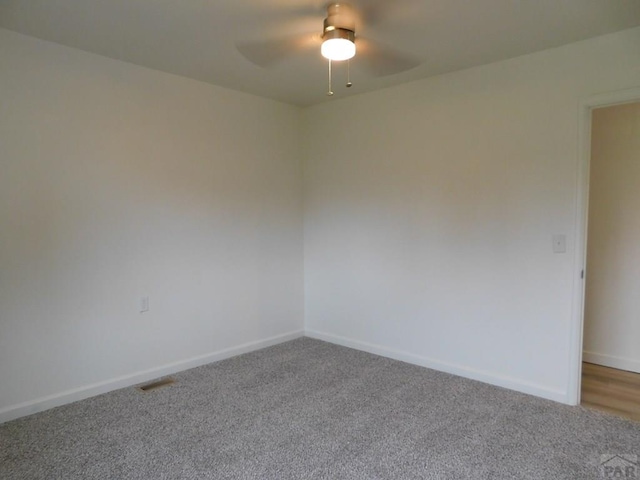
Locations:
144 304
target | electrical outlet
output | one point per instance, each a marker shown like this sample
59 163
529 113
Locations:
559 243
144 304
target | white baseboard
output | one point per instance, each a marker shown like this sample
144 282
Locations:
38 405
612 361
459 370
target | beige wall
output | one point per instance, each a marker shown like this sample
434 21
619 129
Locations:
118 182
612 307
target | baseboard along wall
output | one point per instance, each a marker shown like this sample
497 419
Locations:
27 408
459 370
612 361
45 403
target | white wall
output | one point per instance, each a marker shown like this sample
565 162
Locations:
116 182
612 306
430 209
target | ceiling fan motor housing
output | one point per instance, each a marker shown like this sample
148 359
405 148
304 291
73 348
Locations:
340 22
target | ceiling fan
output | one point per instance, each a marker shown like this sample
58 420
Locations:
337 41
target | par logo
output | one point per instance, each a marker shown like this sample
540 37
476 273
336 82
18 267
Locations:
619 466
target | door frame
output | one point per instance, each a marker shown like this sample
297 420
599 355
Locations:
582 211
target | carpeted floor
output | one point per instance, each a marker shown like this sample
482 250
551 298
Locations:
311 410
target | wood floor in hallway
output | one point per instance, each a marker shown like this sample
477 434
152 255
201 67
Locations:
611 390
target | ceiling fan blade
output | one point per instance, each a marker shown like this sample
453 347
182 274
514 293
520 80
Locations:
379 12
381 60
270 52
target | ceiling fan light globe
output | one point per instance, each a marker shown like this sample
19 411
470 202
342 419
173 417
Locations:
338 49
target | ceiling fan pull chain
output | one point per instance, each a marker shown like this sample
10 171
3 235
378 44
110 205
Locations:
330 92
349 74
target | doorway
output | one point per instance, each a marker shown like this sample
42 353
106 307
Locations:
611 354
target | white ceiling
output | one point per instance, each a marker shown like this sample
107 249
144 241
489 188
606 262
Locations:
198 38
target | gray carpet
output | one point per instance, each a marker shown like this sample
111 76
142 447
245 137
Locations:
309 410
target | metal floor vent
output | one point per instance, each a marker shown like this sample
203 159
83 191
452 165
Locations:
157 384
